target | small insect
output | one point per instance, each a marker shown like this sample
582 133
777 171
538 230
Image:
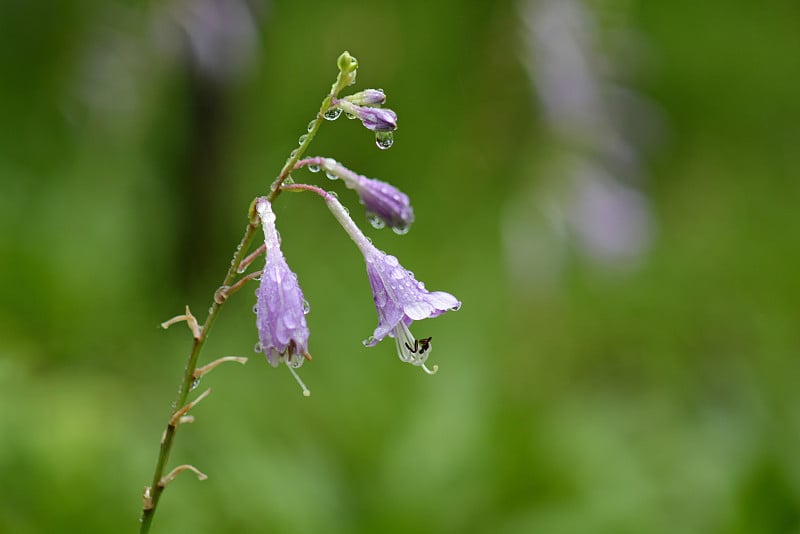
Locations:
420 345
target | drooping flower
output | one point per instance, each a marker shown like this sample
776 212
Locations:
399 298
280 306
384 203
373 118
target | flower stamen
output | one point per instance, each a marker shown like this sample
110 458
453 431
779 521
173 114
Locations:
306 391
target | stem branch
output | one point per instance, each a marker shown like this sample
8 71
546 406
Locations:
152 493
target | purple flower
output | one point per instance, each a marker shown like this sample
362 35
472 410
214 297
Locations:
384 203
399 298
367 97
375 119
280 306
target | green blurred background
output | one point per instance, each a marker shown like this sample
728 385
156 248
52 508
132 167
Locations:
648 388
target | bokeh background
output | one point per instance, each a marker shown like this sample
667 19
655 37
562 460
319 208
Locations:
609 186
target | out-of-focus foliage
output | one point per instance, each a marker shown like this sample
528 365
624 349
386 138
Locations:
663 397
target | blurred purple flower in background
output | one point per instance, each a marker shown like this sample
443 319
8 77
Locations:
590 197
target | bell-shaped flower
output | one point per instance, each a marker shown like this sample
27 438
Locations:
384 203
399 298
280 307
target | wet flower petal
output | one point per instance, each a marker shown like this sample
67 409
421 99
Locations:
280 306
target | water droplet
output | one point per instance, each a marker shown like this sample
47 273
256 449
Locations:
258 347
384 140
391 261
380 298
334 194
293 153
397 274
195 383
331 176
369 341
375 221
313 167
310 126
401 229
302 139
350 116
333 114
353 79
306 307
288 181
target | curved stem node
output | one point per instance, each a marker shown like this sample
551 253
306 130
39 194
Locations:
177 471
190 319
176 417
200 371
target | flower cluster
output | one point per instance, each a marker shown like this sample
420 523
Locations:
399 298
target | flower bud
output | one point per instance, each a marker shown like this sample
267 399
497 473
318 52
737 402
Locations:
367 97
375 119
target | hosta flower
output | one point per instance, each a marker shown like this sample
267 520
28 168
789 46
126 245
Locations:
280 306
399 298
375 119
384 203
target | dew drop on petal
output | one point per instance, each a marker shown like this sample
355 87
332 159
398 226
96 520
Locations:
350 116
375 221
313 167
384 140
306 306
401 229
331 176
258 347
391 261
398 274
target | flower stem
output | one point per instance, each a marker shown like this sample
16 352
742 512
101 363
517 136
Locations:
157 486
152 494
338 85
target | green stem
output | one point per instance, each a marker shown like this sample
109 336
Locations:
156 488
